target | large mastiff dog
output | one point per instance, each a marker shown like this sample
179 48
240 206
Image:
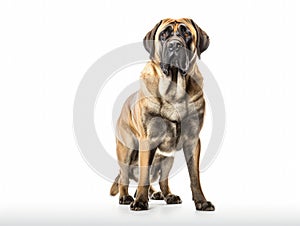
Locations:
164 116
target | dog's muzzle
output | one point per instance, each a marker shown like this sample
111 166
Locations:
174 55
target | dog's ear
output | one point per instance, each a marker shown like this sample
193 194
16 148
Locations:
149 40
202 39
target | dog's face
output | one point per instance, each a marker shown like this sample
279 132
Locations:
175 43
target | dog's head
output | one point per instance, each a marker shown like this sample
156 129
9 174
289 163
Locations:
175 43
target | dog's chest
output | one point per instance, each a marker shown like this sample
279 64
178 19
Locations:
169 124
169 128
174 111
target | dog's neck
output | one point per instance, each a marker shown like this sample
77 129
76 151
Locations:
172 87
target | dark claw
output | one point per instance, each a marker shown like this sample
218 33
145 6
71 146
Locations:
204 206
157 196
125 200
173 199
138 205
135 194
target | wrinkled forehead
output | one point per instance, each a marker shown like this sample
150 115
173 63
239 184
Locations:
175 23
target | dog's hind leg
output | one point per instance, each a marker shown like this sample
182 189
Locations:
155 174
166 166
155 195
114 190
124 154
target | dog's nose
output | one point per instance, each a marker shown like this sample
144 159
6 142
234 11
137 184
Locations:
174 45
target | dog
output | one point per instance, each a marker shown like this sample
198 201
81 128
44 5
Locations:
165 115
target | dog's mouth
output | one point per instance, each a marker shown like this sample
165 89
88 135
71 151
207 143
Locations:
173 73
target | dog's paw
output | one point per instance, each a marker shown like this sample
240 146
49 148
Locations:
173 199
139 205
157 196
125 200
204 206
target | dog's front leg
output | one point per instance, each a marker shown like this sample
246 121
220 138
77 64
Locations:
191 150
145 160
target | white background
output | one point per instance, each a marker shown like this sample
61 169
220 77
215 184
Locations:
47 46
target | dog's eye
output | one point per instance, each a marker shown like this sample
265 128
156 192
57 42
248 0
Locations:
163 36
165 33
184 31
187 34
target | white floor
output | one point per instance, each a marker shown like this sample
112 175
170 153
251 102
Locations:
94 206
158 214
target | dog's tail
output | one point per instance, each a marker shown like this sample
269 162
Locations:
115 186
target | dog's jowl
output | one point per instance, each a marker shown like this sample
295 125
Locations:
165 115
